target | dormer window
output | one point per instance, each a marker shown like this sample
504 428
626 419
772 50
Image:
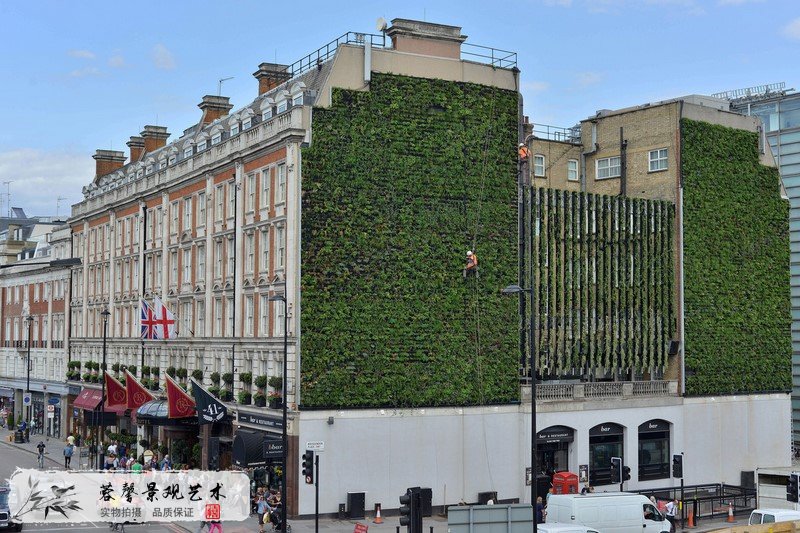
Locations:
172 159
148 169
282 106
162 164
247 124
187 152
216 139
297 100
267 114
202 145
234 129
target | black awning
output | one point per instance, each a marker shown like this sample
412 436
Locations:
248 449
606 429
555 434
654 426
155 413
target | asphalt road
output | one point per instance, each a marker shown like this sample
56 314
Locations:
12 457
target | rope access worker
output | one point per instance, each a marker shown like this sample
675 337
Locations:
472 265
523 153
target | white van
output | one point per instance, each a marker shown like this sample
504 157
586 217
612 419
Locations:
551 527
770 516
620 512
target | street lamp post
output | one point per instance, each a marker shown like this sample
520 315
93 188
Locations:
29 320
285 438
100 455
516 289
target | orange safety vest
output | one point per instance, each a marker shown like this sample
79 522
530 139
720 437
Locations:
472 261
523 153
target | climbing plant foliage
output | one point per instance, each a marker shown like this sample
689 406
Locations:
736 257
398 183
603 282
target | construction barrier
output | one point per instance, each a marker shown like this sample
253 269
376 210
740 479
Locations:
777 527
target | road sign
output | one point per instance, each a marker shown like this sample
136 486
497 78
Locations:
51 408
317 446
26 399
51 414
54 400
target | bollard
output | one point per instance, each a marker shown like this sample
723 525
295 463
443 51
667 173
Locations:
431 529
398 529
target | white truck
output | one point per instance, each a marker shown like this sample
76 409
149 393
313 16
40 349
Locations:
620 512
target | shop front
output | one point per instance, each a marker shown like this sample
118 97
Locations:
258 448
175 436
605 442
552 449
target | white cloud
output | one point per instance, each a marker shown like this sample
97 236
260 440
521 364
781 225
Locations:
116 61
535 86
585 79
59 173
84 72
792 30
82 54
163 58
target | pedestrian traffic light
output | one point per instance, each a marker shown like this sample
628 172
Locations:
405 510
792 486
626 473
308 466
677 465
616 470
411 510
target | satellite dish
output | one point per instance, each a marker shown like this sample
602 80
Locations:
380 24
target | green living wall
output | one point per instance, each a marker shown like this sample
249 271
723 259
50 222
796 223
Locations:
736 259
398 183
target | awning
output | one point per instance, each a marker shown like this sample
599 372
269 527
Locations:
88 399
555 434
155 413
248 449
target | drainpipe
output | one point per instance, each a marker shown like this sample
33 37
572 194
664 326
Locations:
623 159
681 309
593 151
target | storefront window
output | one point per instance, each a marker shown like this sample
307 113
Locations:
654 458
552 449
605 442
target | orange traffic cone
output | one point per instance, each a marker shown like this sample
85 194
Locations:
730 512
691 519
378 519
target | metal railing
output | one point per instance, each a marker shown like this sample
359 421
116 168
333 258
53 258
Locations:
492 56
711 501
556 133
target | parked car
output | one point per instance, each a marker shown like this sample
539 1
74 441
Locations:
620 512
770 516
552 527
5 512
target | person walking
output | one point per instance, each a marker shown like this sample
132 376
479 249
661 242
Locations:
69 449
262 510
41 448
671 511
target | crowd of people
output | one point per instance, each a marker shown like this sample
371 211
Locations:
269 508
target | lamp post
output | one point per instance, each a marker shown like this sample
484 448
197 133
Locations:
29 320
516 289
285 438
100 455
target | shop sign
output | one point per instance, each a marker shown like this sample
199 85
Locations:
261 421
555 434
273 448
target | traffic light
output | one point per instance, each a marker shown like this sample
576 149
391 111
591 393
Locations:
308 466
792 485
616 470
677 465
411 511
626 473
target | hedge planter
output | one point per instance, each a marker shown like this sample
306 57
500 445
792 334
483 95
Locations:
244 397
259 399
275 403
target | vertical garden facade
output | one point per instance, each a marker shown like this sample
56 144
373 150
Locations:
399 182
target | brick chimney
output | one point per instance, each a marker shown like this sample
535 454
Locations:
214 107
107 161
270 75
136 144
154 137
425 38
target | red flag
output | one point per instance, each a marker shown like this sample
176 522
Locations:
137 394
179 404
116 395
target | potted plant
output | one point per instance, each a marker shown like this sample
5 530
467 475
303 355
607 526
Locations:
155 371
227 378
115 368
154 384
246 378
197 375
225 395
276 382
145 371
87 377
171 371
132 369
95 378
244 397
214 389
215 378
274 400
261 381
182 373
260 399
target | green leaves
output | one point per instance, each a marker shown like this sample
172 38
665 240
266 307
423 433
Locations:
398 184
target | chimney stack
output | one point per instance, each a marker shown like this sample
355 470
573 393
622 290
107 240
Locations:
426 38
107 161
214 107
270 75
136 144
155 137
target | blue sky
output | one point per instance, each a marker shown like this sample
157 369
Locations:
81 76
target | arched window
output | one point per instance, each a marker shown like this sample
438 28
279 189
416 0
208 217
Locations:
605 442
654 458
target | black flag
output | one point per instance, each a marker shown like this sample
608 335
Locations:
209 409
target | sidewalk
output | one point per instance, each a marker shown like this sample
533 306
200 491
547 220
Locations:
52 454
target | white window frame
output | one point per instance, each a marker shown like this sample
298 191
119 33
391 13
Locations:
657 160
201 209
187 265
219 197
249 253
173 268
162 164
230 213
264 266
172 159
216 139
267 114
297 100
606 166
173 226
280 238
231 257
217 260
538 165
217 316
188 152
281 186
234 130
573 174
200 331
201 262
266 182
251 192
228 326
202 145
279 318
187 214
249 314
263 310
148 169
247 124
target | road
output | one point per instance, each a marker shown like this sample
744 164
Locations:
13 457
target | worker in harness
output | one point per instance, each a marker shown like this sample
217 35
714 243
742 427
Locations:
523 153
472 265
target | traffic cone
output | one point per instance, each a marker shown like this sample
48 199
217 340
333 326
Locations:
730 512
691 519
378 519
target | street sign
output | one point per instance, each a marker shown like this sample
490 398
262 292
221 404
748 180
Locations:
26 399
75 412
54 400
51 408
51 414
317 446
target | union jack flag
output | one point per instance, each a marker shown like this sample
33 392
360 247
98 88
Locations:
149 321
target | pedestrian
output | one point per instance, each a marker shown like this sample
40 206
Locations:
262 509
41 448
215 525
166 464
68 451
672 510
472 265
539 510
